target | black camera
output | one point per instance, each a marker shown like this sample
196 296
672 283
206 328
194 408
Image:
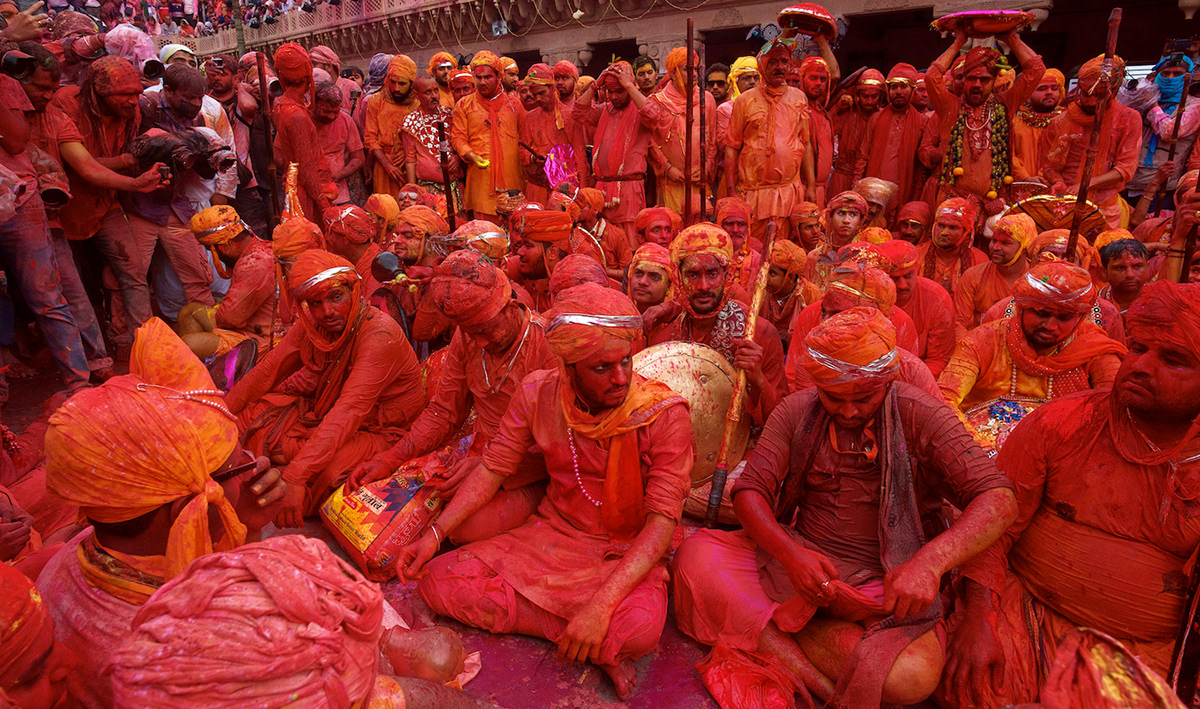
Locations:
18 65
153 69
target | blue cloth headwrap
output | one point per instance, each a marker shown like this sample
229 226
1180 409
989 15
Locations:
1170 93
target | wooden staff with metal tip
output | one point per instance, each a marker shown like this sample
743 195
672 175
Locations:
447 185
721 474
689 85
264 99
1089 163
703 154
1162 189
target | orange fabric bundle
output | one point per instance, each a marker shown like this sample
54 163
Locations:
439 59
575 270
1055 285
351 222
874 235
282 622
899 256
295 236
852 352
1020 228
545 225
385 208
788 256
961 211
729 206
852 285
146 439
22 616
486 58
424 221
652 215
806 213
591 197
469 289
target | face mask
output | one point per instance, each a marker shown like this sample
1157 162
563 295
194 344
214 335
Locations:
1169 90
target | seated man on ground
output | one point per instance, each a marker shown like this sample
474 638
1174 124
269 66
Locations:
247 312
1047 348
189 645
1125 261
342 386
982 286
649 281
788 291
618 450
141 456
34 667
845 215
927 303
861 463
949 253
497 343
1106 521
657 225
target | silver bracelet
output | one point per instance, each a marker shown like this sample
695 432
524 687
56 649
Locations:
437 537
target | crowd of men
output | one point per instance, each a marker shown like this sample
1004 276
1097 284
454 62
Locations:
975 454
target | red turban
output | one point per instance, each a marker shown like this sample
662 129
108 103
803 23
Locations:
545 225
469 289
566 67
353 223
439 59
876 190
295 236
22 617
903 73
1167 312
650 215
486 58
1055 285
852 285
899 256
575 270
811 64
852 352
872 78
806 213
282 622
293 63
703 238
961 211
482 236
589 319
611 81
654 255
591 197
729 206
846 200
917 212
114 75
985 57
540 74
788 256
314 274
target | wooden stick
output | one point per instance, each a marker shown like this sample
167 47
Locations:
703 160
721 473
1162 189
264 103
1189 253
444 159
1185 660
1089 163
687 126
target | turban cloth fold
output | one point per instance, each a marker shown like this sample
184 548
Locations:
384 208
853 352
874 235
424 221
282 622
540 74
439 59
806 213
854 284
977 57
566 67
22 616
146 439
903 73
961 211
1090 72
508 63
314 274
295 236
353 223
741 66
899 256
919 212
114 75
846 200
70 22
461 77
486 58
402 67
1039 248
293 63
699 239
789 257
469 289
651 215
591 197
1020 228
545 225
871 78
218 224
325 55
589 319
1055 285
1109 236
575 270
730 206
876 190
482 236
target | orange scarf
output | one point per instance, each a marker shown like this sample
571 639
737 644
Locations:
493 106
1085 344
621 509
132 579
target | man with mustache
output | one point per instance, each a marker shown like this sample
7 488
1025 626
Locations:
893 136
1041 108
385 115
848 120
485 137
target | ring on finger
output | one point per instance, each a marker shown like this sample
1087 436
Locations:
825 586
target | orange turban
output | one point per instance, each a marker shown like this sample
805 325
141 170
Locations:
386 209
862 253
401 67
652 255
566 67
1055 285
853 284
1090 72
508 63
351 222
591 197
806 213
486 58
314 274
22 617
482 236
611 81
218 224
460 77
846 200
650 215
1107 237
424 221
729 206
703 238
986 57
575 270
1020 228
589 319
788 256
1038 249
852 352
540 74
143 440
872 78
439 59
874 235
469 289
295 236
677 59
811 64
1058 78
282 622
545 225
898 256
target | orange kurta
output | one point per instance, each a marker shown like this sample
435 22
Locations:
1065 142
979 288
540 130
488 128
983 369
769 129
1027 151
946 272
384 117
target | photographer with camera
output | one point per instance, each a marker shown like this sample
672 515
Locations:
237 97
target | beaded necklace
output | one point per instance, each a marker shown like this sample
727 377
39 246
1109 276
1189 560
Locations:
989 128
575 464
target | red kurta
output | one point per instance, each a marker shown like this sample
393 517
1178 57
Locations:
849 139
296 141
932 312
979 288
664 113
892 138
619 158
1065 142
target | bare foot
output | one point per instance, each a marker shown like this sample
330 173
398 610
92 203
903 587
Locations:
624 677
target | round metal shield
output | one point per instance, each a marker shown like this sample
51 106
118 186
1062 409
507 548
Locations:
1056 212
705 378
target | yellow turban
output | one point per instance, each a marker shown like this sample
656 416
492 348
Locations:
743 65
217 225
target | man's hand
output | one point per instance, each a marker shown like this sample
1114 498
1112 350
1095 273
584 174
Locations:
291 512
974 662
479 161
393 172
27 25
13 538
1161 176
665 311
748 356
410 562
584 634
808 570
152 180
1187 217
674 174
374 469
260 493
456 475
910 589
624 75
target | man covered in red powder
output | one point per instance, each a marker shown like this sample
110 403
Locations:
657 225
1104 483
296 140
342 386
982 286
540 130
838 504
422 159
949 253
586 570
927 303
565 75
485 136
849 123
666 112
893 136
